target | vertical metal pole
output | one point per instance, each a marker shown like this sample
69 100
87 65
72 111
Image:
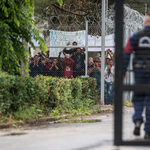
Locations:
103 52
145 8
86 48
119 11
106 16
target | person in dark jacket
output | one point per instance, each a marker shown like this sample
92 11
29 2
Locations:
47 64
79 67
139 42
54 68
36 67
60 71
72 50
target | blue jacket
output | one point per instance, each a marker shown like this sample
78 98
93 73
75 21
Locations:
130 47
36 70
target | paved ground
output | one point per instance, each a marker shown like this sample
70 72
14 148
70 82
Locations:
83 136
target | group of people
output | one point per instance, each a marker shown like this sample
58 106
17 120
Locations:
94 70
73 65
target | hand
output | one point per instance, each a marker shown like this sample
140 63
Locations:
108 67
112 52
52 64
70 55
64 53
59 53
68 43
55 64
34 63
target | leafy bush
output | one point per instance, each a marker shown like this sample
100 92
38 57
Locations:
19 94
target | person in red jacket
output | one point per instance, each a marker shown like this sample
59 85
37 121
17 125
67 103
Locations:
68 64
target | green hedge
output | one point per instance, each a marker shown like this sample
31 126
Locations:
45 93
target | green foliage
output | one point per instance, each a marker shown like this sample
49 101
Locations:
55 113
16 25
26 96
29 113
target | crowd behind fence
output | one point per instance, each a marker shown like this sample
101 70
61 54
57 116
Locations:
72 65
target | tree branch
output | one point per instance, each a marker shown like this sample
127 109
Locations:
62 9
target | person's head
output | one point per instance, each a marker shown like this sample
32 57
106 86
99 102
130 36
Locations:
74 43
147 20
107 61
109 66
68 62
111 62
96 63
78 51
55 61
90 59
96 58
47 60
82 50
36 57
51 59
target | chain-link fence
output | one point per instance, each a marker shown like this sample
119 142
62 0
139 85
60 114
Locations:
63 29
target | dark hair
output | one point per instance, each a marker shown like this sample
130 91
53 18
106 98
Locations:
107 58
74 43
35 56
110 60
96 57
95 61
78 48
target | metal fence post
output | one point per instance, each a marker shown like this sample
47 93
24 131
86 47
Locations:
106 16
86 48
103 52
119 12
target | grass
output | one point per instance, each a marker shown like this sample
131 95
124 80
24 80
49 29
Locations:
29 116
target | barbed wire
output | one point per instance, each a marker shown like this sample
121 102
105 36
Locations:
74 18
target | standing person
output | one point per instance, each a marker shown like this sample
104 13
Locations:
36 67
90 62
79 67
95 72
60 71
47 64
68 64
72 50
109 83
139 43
41 56
54 68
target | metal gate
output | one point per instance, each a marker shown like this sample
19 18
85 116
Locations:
119 86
